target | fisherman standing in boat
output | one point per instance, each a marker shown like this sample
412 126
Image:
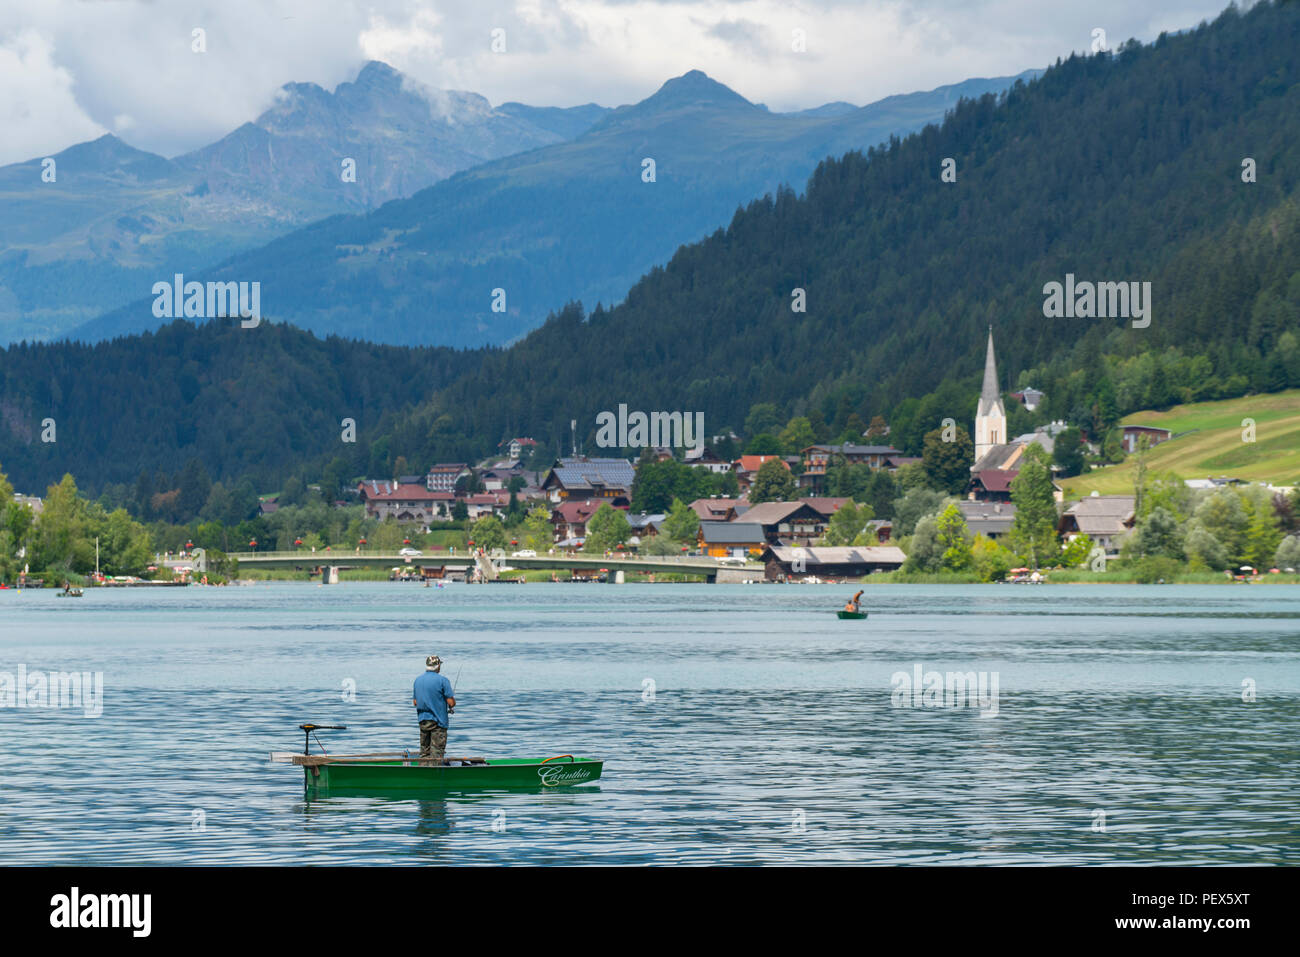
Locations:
433 702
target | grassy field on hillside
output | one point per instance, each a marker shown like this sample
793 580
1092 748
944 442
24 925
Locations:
1212 445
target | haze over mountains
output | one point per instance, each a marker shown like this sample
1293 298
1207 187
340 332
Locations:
117 219
571 219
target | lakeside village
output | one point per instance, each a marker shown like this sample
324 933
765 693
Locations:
785 509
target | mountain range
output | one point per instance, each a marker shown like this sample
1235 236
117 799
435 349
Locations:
579 218
115 219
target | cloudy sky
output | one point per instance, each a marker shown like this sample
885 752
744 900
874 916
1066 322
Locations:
71 70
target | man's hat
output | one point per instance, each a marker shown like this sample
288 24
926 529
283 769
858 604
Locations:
432 663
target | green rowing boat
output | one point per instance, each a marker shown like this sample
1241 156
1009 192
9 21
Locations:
364 773
401 772
851 614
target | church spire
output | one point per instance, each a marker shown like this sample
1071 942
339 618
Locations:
991 415
989 395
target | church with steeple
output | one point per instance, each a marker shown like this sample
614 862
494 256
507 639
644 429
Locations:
997 455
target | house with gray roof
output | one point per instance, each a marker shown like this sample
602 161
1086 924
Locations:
644 527
729 539
784 561
787 523
1106 519
990 519
584 479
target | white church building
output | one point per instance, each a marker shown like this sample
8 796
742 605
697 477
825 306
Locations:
997 456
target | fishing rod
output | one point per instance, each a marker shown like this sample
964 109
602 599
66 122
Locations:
455 681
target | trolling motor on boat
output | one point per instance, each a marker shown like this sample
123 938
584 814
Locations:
307 729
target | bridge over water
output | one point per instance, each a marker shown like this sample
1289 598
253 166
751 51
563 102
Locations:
707 568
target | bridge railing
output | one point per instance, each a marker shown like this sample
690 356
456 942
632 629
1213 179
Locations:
704 560
327 557
342 556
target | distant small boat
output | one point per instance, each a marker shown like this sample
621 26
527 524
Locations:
851 614
70 593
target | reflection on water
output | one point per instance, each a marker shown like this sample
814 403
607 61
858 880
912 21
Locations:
432 820
767 734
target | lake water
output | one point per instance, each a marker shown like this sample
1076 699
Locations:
770 733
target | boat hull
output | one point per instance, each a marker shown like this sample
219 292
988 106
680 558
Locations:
852 614
410 777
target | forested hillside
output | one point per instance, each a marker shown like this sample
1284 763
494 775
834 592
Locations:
253 403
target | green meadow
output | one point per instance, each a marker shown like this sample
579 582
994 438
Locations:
1210 441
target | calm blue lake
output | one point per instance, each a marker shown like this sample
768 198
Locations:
771 732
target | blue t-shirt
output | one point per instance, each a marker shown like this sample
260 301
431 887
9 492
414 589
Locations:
431 693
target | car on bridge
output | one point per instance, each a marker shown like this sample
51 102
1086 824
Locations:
410 552
524 553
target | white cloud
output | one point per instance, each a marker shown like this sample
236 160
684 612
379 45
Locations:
71 69
39 113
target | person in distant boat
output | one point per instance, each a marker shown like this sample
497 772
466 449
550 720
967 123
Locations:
67 586
854 603
433 702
